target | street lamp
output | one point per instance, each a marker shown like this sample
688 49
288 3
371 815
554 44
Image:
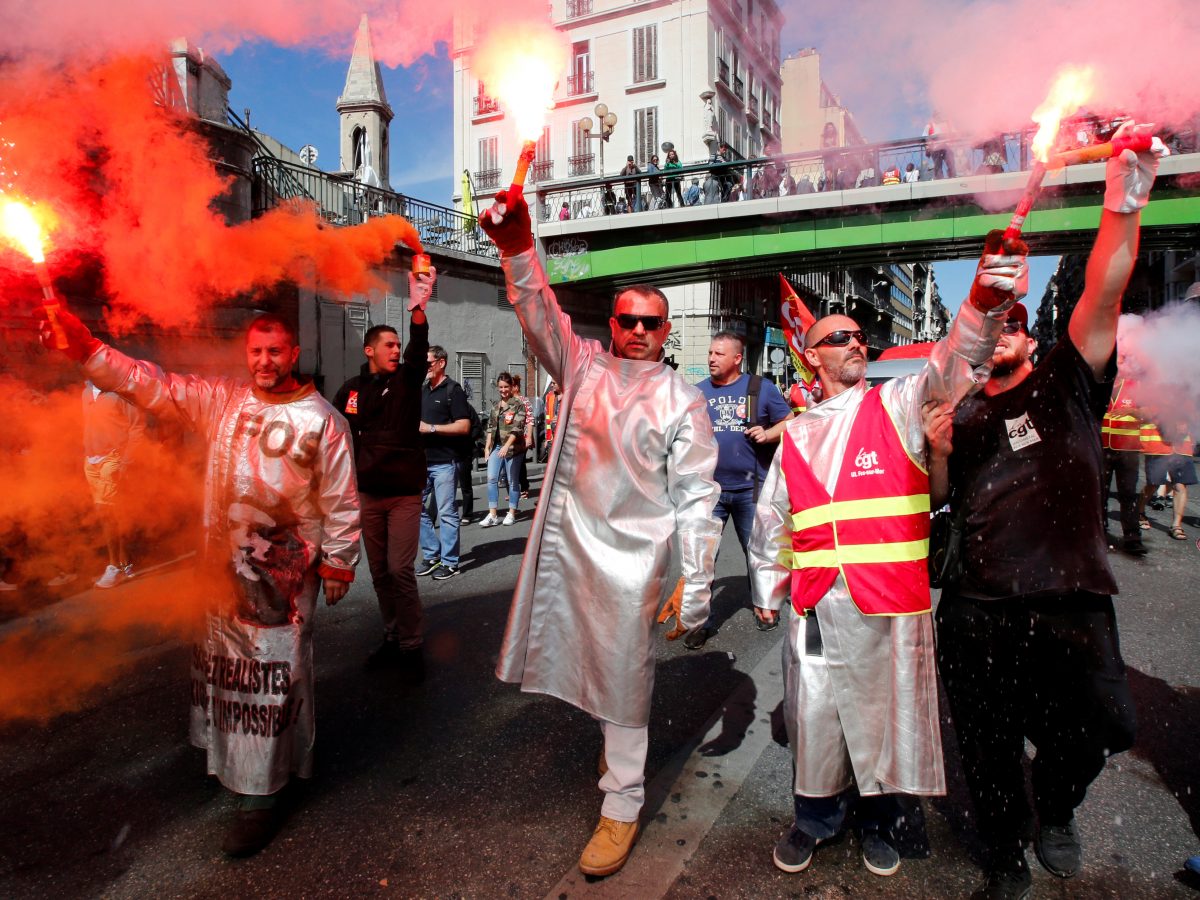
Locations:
608 121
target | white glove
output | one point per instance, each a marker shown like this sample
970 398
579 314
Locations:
1129 175
420 289
1000 281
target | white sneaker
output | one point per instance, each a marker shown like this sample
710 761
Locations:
7 586
113 575
510 518
489 520
61 578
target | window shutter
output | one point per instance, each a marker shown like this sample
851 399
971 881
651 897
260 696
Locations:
393 311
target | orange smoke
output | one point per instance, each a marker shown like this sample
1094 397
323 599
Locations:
131 184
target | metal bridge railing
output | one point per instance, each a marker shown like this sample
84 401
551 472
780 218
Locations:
343 201
834 168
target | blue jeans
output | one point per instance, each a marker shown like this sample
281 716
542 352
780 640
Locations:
511 472
441 484
823 817
739 504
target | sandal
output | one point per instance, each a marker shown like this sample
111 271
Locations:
1178 534
1144 523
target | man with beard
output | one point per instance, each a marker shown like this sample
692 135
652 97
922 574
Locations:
842 530
280 520
628 486
1027 637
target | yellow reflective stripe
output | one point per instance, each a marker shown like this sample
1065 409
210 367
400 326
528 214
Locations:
873 508
1108 429
853 554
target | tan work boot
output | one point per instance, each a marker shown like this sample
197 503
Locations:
609 847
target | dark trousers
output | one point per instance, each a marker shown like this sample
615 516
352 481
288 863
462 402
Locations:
1048 669
466 467
823 817
391 528
1123 464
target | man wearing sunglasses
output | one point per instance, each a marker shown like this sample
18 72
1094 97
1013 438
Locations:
1027 637
628 485
841 530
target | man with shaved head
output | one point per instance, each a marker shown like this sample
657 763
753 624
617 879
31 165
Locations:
842 530
629 485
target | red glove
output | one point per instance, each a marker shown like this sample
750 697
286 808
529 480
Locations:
1003 275
514 233
80 342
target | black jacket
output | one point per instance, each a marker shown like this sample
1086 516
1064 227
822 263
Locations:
384 412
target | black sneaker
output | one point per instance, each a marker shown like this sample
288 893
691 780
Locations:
385 656
252 829
1156 503
793 851
1006 881
445 572
1058 850
428 567
767 626
697 638
411 664
879 856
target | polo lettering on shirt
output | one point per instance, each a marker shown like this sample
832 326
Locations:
352 403
1021 432
728 412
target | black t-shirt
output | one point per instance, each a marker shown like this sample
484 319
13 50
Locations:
1027 463
443 405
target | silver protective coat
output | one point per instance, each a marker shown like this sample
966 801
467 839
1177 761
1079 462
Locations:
866 708
628 487
279 501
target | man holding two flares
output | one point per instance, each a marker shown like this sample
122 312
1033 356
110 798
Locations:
281 519
628 485
1027 638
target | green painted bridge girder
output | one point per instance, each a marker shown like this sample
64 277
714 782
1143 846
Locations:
664 254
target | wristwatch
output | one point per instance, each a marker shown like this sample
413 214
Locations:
432 428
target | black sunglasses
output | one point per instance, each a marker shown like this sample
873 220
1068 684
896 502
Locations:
1013 327
651 323
842 338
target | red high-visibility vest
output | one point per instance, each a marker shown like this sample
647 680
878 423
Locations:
891 176
1152 441
1121 431
874 530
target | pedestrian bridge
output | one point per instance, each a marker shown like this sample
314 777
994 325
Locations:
925 220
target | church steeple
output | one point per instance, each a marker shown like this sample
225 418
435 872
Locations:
365 115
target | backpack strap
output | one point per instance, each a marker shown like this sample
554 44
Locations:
753 389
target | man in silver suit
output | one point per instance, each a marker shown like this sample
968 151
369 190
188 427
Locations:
628 486
281 522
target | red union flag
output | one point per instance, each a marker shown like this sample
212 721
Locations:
796 320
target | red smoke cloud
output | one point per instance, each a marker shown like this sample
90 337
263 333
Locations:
132 183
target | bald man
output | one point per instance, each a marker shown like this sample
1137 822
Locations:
842 529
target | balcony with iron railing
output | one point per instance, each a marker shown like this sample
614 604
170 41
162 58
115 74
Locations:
722 71
487 180
739 87
340 200
752 108
541 170
583 164
580 83
485 105
577 8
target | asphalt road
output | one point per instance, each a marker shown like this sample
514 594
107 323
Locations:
466 787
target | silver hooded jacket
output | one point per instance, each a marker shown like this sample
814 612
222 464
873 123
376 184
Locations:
629 483
280 508
866 706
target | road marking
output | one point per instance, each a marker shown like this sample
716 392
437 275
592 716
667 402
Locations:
666 846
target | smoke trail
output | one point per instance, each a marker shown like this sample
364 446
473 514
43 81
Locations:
132 185
1160 353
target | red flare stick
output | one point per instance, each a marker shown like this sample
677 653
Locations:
1033 187
528 151
1096 152
51 305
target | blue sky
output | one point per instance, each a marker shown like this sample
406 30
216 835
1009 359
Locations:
292 96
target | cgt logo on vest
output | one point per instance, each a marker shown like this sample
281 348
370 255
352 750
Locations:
867 462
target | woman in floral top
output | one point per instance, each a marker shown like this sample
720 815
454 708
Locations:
504 443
